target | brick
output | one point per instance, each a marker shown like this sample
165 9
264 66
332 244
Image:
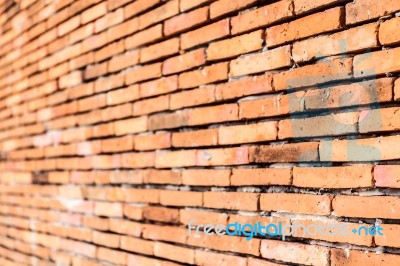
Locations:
206 177
310 75
192 98
296 203
138 7
247 133
184 62
305 27
213 114
109 50
354 257
387 31
236 46
258 18
333 177
366 92
294 152
153 142
108 209
94 12
117 144
259 262
227 156
123 95
202 217
185 21
261 177
163 12
159 86
159 50
132 125
360 11
369 149
181 198
231 200
104 239
143 73
141 195
397 90
375 63
295 252
169 120
205 34
273 59
144 37
330 125
175 158
204 258
70 80
387 176
69 25
208 74
190 4
206 137
352 40
138 160
163 177
152 105
271 105
112 256
137 245
244 87
93 102
366 207
385 119
109 20
172 252
222 7
121 30
123 61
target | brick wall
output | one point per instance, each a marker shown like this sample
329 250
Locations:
121 121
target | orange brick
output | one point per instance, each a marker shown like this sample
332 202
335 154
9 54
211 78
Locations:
94 12
387 31
163 12
138 6
69 25
387 176
144 37
222 7
137 245
330 125
173 252
295 252
152 105
236 46
112 256
93 102
204 257
161 214
169 120
205 34
184 62
367 207
206 177
189 4
268 106
143 73
305 27
213 114
354 257
108 209
257 18
181 198
159 50
123 61
207 137
121 30
273 59
244 87
153 142
321 72
110 19
208 74
355 12
303 6
159 86
138 160
231 200
202 217
104 239
261 177
247 133
123 95
185 21
357 39
333 177
132 125
117 144
376 63
192 98
175 159
141 195
227 156
296 203
385 119
397 90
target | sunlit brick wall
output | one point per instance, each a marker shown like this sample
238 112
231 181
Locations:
121 121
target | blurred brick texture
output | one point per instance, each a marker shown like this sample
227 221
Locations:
122 120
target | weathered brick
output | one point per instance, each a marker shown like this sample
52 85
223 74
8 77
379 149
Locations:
305 27
247 133
295 152
376 63
360 11
184 62
208 74
185 21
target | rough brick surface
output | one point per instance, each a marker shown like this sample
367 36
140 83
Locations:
123 121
